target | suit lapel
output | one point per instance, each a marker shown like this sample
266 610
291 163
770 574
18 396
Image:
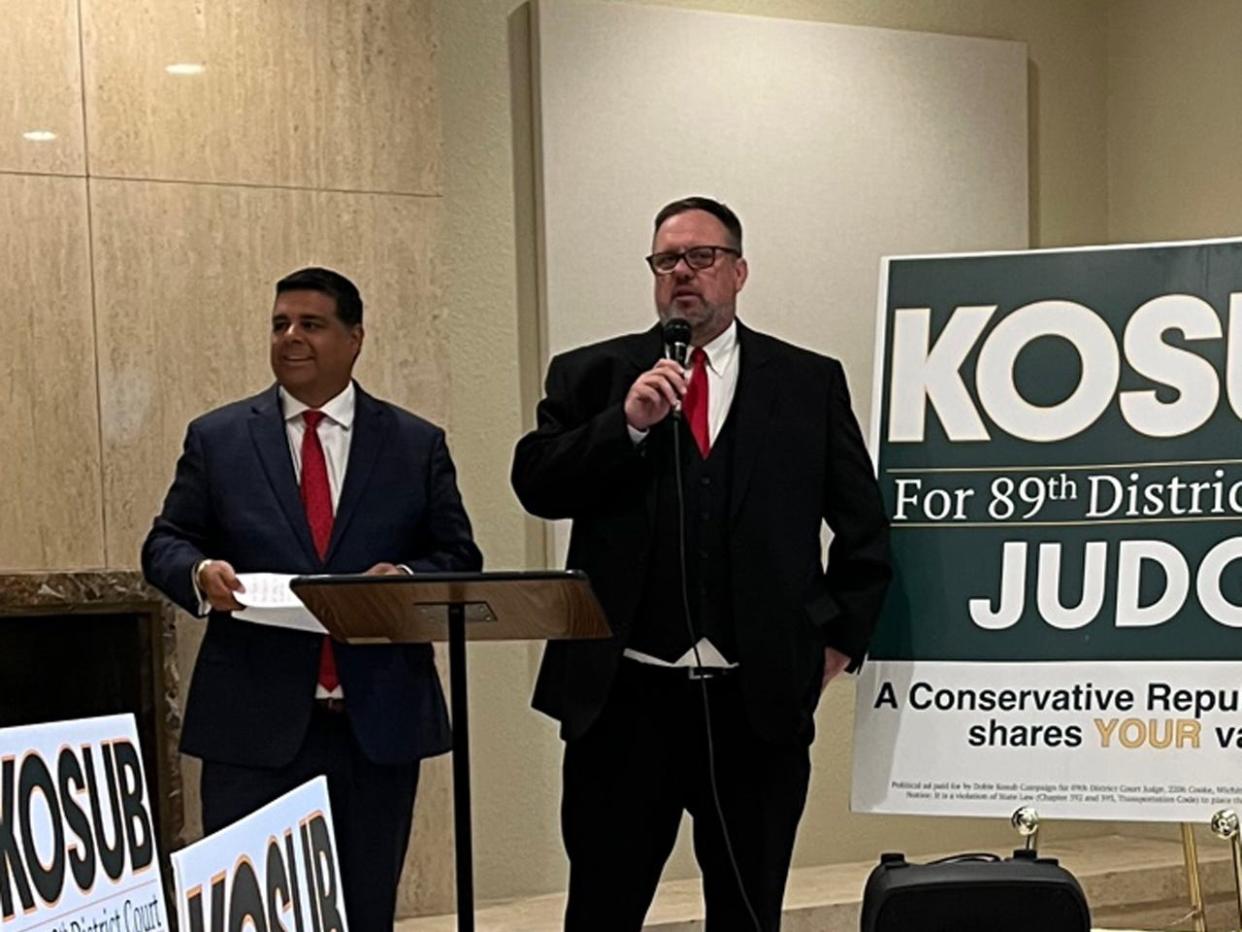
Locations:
372 425
267 431
754 410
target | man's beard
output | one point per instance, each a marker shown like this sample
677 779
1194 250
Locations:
701 316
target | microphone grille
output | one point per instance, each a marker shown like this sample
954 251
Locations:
676 330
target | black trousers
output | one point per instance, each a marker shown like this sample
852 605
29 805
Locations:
372 810
645 761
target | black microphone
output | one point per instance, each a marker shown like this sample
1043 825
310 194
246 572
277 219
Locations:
677 340
677 346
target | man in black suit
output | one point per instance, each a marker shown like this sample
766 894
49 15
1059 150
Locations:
701 536
312 475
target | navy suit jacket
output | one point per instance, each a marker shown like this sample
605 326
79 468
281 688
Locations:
235 497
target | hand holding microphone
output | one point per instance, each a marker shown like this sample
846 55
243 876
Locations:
660 389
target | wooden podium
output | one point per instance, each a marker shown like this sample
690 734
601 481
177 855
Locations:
455 607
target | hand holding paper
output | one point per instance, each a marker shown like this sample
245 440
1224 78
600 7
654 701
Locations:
218 583
268 600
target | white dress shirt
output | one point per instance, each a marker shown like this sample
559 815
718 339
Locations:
335 432
723 364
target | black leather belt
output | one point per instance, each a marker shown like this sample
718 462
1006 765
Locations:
328 704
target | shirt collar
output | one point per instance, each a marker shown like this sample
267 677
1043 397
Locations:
340 409
720 351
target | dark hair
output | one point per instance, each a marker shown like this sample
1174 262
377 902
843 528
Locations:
333 284
732 225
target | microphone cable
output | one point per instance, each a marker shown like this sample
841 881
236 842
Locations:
698 661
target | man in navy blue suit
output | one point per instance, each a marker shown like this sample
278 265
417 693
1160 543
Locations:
312 475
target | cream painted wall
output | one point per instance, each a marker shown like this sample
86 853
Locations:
1174 131
488 264
1174 120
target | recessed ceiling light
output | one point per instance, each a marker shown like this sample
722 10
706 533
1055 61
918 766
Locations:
39 135
183 69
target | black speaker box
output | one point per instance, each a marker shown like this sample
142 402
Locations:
974 893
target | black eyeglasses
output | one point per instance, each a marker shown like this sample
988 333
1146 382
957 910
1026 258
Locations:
697 257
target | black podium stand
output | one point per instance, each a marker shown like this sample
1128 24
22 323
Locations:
455 607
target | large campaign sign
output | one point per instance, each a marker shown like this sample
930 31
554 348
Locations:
1059 443
277 869
78 847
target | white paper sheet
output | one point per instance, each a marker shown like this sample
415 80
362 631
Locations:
269 600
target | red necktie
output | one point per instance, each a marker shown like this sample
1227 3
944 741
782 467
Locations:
694 405
317 501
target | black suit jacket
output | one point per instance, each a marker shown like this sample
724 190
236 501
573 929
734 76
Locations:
799 461
235 497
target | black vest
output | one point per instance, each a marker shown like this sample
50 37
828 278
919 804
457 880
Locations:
660 623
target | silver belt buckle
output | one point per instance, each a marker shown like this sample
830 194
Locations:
705 673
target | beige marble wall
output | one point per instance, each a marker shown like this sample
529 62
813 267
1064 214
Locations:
142 238
41 88
336 95
51 513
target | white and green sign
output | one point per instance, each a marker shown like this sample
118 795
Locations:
1059 444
